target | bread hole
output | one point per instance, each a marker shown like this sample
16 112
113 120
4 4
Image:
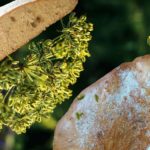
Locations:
13 19
38 19
33 24
56 13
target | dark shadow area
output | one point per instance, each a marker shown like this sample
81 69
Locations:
4 2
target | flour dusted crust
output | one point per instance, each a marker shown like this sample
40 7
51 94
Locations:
114 112
22 20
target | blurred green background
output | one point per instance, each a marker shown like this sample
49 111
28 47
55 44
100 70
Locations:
120 34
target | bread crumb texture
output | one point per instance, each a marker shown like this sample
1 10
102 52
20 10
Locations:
22 20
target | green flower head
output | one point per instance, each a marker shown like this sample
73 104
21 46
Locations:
31 88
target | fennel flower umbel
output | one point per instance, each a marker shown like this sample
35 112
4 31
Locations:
32 87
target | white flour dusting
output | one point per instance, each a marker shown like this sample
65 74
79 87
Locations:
126 91
89 108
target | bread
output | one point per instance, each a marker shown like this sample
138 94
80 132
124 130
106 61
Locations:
111 114
22 20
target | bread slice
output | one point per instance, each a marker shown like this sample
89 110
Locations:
22 20
111 114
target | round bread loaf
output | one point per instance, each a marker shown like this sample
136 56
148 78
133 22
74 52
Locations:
111 114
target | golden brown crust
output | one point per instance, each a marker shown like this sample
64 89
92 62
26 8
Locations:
113 114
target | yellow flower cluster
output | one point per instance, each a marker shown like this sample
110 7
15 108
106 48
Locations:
32 87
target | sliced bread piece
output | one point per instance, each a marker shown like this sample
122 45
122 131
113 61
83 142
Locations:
22 20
